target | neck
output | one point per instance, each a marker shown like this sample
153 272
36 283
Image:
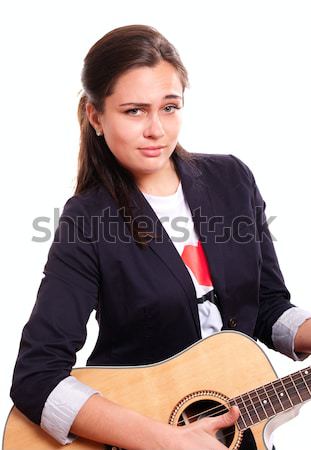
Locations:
164 183
273 398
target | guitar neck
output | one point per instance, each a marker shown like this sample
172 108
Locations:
273 398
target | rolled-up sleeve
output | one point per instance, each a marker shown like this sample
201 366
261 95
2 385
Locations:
56 330
284 331
62 407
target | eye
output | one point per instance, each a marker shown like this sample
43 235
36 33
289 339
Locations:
132 111
167 108
170 107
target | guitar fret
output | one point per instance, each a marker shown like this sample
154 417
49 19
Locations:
241 420
304 374
307 375
269 399
304 391
251 412
291 390
294 384
278 407
247 417
283 397
259 409
265 403
254 408
288 396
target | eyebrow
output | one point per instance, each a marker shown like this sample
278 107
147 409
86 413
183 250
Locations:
148 104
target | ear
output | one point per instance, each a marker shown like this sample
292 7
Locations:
94 117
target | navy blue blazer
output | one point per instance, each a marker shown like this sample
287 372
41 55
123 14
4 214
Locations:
144 298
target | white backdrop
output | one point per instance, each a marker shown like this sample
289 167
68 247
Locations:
250 95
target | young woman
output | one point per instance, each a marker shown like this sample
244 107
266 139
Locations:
168 246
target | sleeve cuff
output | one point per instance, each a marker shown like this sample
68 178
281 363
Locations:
284 331
62 406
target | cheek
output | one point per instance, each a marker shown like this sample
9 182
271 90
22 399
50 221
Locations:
125 132
173 125
119 138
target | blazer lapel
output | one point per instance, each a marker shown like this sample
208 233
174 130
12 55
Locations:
198 192
162 245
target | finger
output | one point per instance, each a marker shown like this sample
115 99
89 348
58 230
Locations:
225 420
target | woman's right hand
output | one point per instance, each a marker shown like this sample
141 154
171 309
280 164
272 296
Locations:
200 435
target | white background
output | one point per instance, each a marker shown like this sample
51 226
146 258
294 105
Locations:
250 95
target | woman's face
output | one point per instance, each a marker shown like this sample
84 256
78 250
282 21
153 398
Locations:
142 118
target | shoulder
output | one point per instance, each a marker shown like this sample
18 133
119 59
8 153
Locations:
225 167
224 163
90 203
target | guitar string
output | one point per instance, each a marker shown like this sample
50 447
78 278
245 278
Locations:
223 408
255 403
226 435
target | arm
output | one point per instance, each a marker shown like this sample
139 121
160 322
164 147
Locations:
303 338
280 325
56 329
72 409
274 297
62 406
104 421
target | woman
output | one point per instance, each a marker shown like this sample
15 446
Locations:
157 287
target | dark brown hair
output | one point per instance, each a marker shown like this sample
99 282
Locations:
118 51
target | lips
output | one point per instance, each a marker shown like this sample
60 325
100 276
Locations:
151 151
152 148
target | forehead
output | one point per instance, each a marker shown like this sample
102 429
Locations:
147 83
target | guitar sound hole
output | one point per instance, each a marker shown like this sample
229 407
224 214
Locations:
207 408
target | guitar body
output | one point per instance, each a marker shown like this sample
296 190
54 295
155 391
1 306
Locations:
209 372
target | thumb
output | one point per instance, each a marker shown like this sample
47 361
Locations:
225 420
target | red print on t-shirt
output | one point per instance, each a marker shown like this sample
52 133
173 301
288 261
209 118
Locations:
193 256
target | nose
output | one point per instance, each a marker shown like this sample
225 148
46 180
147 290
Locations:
153 127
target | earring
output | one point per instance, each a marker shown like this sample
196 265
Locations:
98 133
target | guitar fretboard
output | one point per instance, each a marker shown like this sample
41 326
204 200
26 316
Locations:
269 400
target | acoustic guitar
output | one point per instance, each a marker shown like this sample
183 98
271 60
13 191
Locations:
225 369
